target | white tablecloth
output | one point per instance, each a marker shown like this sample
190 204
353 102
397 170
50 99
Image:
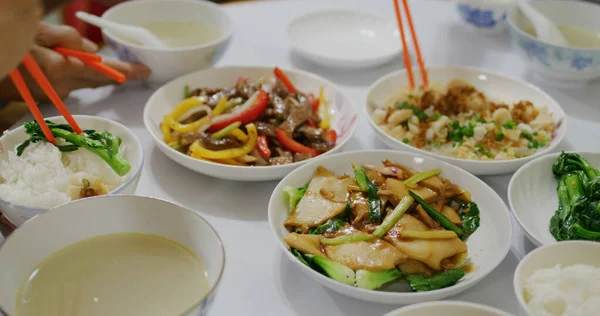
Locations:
258 279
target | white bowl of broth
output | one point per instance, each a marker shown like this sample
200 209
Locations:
112 255
565 66
195 33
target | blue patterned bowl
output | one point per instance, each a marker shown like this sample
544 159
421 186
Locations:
485 15
561 66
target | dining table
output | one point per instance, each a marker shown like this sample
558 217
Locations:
259 279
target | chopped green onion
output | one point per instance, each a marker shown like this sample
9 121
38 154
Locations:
416 178
405 140
499 135
86 182
345 239
226 130
394 217
509 124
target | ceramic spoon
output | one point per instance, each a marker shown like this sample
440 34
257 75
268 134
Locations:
137 33
544 28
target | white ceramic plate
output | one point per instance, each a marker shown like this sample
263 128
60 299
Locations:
487 246
565 253
447 308
342 38
343 117
67 224
496 87
533 199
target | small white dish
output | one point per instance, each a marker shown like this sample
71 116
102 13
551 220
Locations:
343 117
487 246
134 153
535 179
494 85
344 39
60 227
565 253
447 308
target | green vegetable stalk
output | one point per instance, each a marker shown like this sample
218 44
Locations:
102 143
345 239
422 283
372 280
440 218
294 195
332 269
393 217
330 226
366 185
416 178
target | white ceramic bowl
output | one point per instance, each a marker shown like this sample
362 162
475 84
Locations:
169 63
488 16
343 117
447 308
19 214
565 253
83 219
487 246
496 86
345 39
535 179
560 66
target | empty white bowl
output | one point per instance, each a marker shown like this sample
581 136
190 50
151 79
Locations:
565 253
169 63
134 153
494 85
343 117
345 39
447 308
60 227
533 199
560 66
487 246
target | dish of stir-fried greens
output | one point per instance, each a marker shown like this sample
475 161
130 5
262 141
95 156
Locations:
383 224
253 123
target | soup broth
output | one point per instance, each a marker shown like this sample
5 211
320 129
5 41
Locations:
181 33
575 36
116 274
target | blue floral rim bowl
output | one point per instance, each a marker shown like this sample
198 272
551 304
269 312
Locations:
561 66
488 16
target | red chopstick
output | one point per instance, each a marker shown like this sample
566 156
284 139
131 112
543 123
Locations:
407 62
78 54
42 81
93 61
17 79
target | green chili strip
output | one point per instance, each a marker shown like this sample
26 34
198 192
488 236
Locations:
226 130
416 178
394 217
440 218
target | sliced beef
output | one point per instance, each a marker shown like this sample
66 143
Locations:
309 132
298 115
193 117
280 90
226 142
265 129
281 109
284 157
244 89
301 156
322 146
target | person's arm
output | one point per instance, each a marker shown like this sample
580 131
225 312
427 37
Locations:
50 5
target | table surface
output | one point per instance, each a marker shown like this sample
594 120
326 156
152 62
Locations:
258 279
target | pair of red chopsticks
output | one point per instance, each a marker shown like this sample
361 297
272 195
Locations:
407 62
90 60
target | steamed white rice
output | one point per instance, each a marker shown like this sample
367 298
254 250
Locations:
568 291
44 177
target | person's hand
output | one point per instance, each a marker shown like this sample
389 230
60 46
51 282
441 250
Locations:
67 74
18 22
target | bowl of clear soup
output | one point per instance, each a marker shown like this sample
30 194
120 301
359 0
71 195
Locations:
195 35
111 255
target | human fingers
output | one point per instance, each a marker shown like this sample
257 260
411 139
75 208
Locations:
131 71
63 35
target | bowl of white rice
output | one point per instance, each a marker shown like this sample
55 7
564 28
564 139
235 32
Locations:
43 177
560 279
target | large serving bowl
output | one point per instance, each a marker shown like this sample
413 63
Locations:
487 246
134 154
533 198
343 117
565 253
494 85
447 308
62 226
562 66
169 63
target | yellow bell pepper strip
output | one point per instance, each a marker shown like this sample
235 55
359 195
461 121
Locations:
245 113
185 105
189 104
226 131
229 161
166 129
194 126
239 134
197 149
323 110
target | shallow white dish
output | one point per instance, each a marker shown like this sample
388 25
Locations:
447 308
535 179
87 218
487 246
496 86
343 38
169 63
343 117
18 214
565 253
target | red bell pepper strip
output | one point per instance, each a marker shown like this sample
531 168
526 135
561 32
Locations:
314 103
311 123
246 113
330 136
290 144
263 146
279 74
